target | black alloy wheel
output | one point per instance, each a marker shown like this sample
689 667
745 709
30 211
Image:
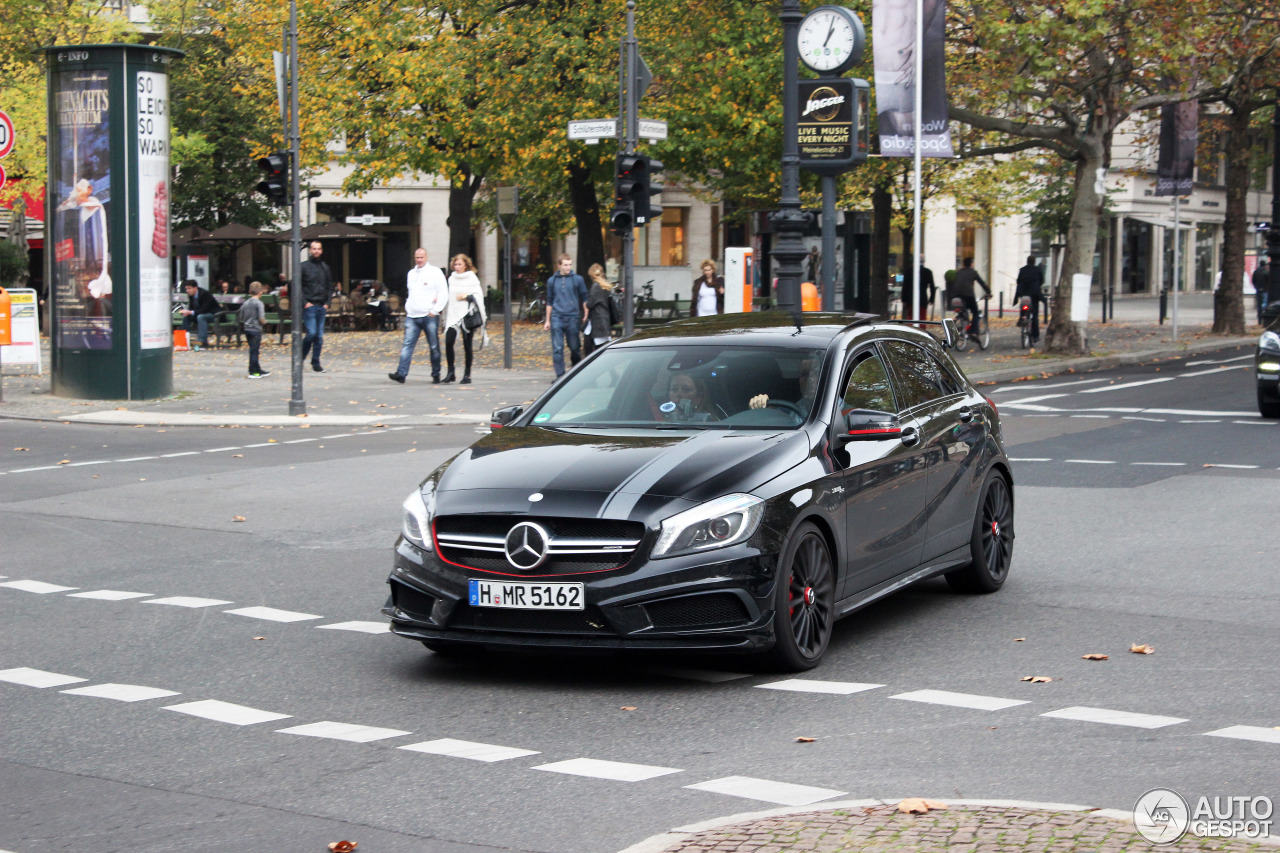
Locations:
804 603
1268 405
991 545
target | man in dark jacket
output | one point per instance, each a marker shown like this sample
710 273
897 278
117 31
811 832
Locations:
566 312
317 287
1031 285
1261 281
965 279
199 313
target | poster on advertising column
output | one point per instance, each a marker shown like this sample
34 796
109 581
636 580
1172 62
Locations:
893 29
80 178
153 200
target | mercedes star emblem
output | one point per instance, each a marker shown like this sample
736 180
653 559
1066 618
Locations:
527 545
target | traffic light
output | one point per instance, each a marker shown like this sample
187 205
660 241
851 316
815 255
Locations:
275 186
635 185
620 220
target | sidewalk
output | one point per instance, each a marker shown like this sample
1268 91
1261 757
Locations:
978 826
211 387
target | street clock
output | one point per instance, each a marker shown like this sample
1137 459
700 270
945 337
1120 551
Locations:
831 40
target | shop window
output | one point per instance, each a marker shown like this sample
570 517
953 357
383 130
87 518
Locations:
675 227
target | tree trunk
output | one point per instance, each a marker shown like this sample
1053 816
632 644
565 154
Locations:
1064 336
586 212
1228 300
881 224
462 196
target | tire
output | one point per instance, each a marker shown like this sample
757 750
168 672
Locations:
804 602
962 339
1026 336
991 545
1268 406
984 337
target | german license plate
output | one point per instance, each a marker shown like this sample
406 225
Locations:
519 595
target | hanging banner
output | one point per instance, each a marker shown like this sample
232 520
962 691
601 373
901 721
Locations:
893 29
1179 136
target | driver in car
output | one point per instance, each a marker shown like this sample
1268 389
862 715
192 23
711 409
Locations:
808 389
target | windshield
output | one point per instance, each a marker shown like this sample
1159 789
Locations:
688 387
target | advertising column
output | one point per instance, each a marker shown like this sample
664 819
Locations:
107 220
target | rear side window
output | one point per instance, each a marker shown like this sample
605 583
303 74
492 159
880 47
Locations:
868 386
917 376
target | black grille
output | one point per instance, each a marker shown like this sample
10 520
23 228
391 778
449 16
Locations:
587 621
718 609
416 604
488 556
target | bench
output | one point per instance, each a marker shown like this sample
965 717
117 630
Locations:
655 312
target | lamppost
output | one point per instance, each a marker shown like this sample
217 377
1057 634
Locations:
1273 229
789 221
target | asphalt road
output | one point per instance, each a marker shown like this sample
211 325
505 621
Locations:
1145 502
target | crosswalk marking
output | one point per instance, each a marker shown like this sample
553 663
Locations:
486 752
226 712
960 700
28 677
618 771
272 614
1257 733
1115 718
801 685
187 601
782 793
343 731
109 594
121 692
38 587
361 627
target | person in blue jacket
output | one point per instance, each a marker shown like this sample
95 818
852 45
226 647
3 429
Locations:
566 312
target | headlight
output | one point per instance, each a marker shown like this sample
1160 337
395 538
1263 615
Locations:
416 524
1270 341
715 524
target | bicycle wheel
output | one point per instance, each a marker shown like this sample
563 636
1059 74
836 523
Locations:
962 339
984 337
1026 336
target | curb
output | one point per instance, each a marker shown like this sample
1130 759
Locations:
1103 362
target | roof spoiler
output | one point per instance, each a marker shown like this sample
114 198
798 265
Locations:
950 333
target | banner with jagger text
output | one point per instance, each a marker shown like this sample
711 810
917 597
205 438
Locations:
1179 135
893 30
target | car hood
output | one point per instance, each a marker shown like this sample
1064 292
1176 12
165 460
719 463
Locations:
608 475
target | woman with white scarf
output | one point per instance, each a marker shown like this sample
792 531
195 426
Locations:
463 283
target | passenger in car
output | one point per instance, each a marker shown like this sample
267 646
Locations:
688 400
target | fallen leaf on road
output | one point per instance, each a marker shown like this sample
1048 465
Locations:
1142 649
238 518
917 805
1207 465
20 450
412 450
1019 639
805 740
237 456
628 707
1093 657
1036 679
259 638
344 846
65 462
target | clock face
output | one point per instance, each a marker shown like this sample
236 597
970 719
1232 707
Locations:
828 38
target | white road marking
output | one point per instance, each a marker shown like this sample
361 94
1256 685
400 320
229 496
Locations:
1025 400
1257 733
1115 718
801 685
1032 459
263 444
1090 461
343 731
38 587
301 440
187 601
40 468
1237 467
226 712
1212 371
183 453
1199 422
1128 385
708 676
28 677
1219 361
782 793
1021 387
1164 464
361 627
486 752
109 595
618 771
1257 423
1136 418
121 692
1102 417
221 449
960 700
272 614
81 464
136 459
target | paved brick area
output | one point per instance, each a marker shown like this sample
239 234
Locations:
958 829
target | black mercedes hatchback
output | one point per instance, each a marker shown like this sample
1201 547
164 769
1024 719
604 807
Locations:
727 484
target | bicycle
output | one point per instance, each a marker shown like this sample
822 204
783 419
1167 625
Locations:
1024 322
536 312
976 331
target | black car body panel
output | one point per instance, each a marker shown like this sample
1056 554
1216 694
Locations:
592 469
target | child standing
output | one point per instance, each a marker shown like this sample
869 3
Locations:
252 313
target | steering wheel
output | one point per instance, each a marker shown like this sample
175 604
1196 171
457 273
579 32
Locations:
786 407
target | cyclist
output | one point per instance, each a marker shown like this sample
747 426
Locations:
1031 285
963 288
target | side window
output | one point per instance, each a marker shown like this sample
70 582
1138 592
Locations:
917 377
947 378
868 386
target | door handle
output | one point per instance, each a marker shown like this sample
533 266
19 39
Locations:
910 436
966 413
